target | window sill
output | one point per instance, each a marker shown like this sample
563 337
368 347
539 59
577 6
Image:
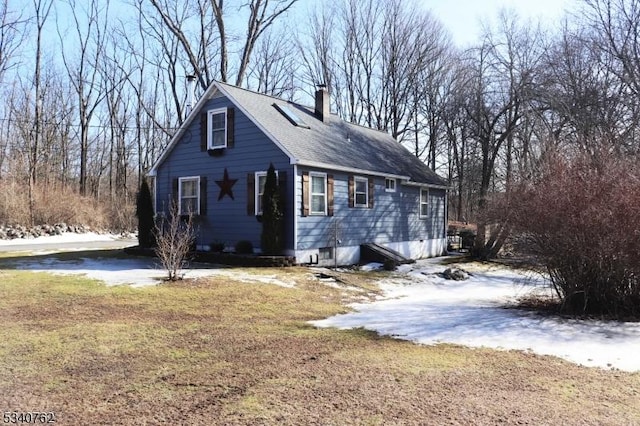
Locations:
216 152
185 217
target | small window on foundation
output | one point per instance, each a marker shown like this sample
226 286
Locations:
325 253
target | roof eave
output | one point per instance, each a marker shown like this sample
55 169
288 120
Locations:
194 113
182 129
257 123
426 185
318 165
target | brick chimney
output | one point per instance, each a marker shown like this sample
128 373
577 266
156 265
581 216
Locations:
322 103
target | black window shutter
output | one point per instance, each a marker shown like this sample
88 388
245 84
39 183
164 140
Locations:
203 195
251 194
203 131
371 191
174 194
230 127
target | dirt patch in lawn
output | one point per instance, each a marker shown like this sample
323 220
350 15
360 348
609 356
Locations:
218 351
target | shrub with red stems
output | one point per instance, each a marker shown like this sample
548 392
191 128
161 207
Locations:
581 219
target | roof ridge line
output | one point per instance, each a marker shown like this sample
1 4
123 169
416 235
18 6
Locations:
303 106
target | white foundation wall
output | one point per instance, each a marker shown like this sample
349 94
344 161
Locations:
420 249
350 255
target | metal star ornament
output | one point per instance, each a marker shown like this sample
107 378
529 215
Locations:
226 185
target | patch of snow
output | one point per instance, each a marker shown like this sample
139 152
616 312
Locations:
423 307
373 266
135 272
253 278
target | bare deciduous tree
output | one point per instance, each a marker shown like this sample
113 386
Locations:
174 237
213 40
42 9
373 55
83 70
273 70
502 78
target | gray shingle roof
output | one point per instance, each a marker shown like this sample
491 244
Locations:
335 143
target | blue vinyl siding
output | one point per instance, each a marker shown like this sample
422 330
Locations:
393 218
226 220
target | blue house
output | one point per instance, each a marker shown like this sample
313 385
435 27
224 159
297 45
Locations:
345 185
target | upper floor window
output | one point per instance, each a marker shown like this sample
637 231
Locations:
217 129
424 202
189 195
390 185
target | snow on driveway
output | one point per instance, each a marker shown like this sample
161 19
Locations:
423 307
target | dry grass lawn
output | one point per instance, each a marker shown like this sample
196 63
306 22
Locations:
222 352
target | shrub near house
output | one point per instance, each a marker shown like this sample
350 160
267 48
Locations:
272 215
581 220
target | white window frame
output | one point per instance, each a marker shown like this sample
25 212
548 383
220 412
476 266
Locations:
357 179
210 128
196 179
323 176
258 195
424 202
389 185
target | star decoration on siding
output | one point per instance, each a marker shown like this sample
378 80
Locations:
226 185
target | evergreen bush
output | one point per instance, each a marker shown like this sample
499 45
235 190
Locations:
272 216
144 212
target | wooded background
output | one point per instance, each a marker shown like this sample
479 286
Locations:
93 90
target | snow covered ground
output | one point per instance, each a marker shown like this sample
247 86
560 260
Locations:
421 306
136 272
67 237
418 305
